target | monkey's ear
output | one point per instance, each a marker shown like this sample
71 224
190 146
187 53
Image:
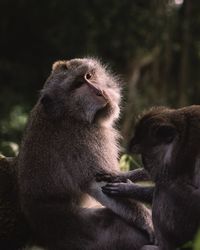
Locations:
165 133
60 66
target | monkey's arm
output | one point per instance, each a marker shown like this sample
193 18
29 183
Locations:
139 174
134 175
129 190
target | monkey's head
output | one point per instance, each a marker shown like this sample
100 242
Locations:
82 89
168 140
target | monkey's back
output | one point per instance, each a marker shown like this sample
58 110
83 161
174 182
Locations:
173 215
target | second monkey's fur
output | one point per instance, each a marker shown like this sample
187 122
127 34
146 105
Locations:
168 141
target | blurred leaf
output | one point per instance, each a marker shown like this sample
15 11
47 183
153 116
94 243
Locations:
127 162
9 148
197 241
11 130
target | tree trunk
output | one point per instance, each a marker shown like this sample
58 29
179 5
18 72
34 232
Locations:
184 63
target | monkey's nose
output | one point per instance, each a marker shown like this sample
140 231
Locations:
96 90
99 93
92 85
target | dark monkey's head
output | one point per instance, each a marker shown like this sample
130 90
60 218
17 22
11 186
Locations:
82 89
168 140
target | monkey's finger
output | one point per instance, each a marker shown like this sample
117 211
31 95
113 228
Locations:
113 184
109 188
111 192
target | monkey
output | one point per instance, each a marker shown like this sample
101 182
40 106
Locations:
168 141
70 138
14 231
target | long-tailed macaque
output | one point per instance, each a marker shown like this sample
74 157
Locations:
70 138
169 143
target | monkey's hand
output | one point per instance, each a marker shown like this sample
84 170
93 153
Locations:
118 189
130 190
111 178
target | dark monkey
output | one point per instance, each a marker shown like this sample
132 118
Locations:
169 143
14 231
68 141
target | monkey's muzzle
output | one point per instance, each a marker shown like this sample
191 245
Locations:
97 91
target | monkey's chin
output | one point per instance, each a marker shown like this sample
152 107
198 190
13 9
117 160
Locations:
100 102
105 116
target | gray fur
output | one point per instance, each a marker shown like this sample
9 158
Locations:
69 139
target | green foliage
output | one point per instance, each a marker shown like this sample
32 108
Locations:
11 131
187 246
127 163
16 120
197 242
192 245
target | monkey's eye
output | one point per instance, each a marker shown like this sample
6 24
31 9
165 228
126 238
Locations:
88 76
81 80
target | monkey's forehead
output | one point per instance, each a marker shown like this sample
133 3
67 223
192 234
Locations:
162 115
154 113
89 63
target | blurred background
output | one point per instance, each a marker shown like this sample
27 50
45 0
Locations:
153 45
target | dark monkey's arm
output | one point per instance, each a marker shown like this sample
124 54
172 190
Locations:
139 174
130 190
116 187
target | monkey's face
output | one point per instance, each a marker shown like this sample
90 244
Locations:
83 89
166 142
